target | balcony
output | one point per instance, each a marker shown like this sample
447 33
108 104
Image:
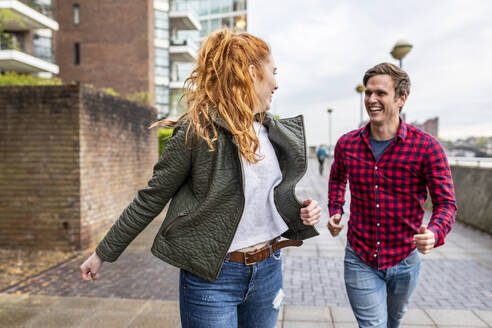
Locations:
184 16
26 18
14 58
179 74
17 61
176 85
183 51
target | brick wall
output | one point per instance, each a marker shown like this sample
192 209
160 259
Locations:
70 161
117 153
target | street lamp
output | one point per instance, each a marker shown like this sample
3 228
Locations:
329 111
401 49
360 89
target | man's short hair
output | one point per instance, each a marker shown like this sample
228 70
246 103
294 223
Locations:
400 77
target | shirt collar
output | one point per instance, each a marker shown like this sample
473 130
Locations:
401 134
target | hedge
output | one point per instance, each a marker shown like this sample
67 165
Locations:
164 135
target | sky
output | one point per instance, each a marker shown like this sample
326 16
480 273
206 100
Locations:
322 48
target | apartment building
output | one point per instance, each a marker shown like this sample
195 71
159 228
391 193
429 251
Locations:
26 29
213 15
107 43
139 45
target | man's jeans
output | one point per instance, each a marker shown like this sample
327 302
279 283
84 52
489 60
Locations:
248 296
379 298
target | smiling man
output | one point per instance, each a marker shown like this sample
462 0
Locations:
390 166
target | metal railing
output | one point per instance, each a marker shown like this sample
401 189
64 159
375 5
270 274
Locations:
194 45
485 162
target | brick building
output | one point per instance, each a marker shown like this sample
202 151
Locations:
431 126
106 43
139 45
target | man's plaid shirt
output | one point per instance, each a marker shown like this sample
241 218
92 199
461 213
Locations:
387 195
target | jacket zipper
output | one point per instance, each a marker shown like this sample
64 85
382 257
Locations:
165 231
304 172
240 215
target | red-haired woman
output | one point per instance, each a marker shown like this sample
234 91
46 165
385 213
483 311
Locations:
230 171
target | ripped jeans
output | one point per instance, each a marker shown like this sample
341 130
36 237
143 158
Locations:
242 296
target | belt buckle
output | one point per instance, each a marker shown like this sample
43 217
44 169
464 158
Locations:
246 262
245 256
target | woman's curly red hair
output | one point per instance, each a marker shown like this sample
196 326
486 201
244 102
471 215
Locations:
221 85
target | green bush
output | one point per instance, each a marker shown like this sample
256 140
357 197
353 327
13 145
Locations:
141 97
164 135
13 78
110 91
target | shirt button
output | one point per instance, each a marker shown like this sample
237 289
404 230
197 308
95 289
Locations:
375 255
378 242
378 224
377 205
376 167
377 186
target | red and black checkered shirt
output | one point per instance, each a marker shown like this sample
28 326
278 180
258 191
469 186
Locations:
387 195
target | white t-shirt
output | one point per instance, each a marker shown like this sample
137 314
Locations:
260 221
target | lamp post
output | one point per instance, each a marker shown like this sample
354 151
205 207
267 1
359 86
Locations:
329 111
401 49
360 89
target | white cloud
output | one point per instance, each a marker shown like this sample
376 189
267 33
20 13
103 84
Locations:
322 49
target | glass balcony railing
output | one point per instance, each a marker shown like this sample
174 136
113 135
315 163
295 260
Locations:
45 7
183 5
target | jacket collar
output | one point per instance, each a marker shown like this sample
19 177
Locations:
217 119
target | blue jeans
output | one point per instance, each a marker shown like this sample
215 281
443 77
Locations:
242 296
379 298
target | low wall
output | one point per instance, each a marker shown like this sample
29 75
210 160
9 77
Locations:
71 159
473 187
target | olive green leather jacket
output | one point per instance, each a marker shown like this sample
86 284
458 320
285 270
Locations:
207 195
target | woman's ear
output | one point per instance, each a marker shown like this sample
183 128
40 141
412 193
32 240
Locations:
252 72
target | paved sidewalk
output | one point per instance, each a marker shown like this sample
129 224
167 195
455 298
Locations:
139 290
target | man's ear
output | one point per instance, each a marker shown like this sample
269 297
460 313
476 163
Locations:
252 72
402 100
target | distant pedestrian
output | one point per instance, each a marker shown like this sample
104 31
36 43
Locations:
390 166
321 154
230 169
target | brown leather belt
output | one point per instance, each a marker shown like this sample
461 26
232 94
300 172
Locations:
250 258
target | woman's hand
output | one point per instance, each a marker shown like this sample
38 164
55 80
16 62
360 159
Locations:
311 212
90 267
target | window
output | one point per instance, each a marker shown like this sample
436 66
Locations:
238 5
214 25
162 100
161 62
204 7
215 6
42 47
76 49
76 15
204 30
161 25
225 6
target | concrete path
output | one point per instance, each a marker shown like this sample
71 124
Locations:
455 288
